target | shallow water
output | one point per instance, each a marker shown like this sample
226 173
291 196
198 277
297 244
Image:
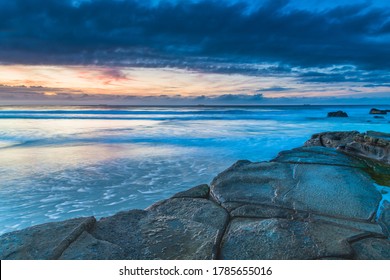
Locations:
63 162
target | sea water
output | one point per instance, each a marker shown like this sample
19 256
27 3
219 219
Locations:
62 162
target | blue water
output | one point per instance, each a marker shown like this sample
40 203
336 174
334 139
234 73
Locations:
63 162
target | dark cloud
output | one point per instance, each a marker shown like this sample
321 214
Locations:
273 89
115 74
210 36
350 75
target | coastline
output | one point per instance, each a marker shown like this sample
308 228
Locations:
318 201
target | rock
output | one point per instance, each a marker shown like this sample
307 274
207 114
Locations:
300 187
368 227
375 111
43 242
378 117
86 247
279 239
332 258
177 228
143 236
332 139
261 211
318 155
372 249
337 114
384 217
199 210
372 145
201 191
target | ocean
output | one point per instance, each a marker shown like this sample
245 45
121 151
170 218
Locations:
63 162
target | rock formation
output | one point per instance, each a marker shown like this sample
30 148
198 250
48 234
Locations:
313 202
372 145
337 114
375 111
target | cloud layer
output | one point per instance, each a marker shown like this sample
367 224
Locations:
22 95
321 44
192 34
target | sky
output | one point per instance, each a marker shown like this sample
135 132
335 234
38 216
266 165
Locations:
170 52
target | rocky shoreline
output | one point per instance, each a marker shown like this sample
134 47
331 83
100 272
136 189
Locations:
319 201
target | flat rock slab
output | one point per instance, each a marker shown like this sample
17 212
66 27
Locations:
372 249
86 247
42 242
199 210
368 227
265 212
178 228
318 155
337 191
279 239
158 237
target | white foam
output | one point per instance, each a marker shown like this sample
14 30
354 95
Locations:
75 210
52 198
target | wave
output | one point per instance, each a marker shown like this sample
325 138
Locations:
107 140
124 112
155 118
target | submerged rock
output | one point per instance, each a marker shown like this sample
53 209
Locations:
337 114
313 202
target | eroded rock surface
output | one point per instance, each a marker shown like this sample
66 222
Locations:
373 145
